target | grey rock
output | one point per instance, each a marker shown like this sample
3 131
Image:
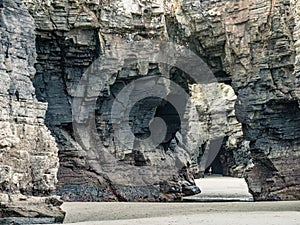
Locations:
28 152
251 47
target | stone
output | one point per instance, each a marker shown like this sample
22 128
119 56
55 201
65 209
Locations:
251 115
78 44
28 152
247 45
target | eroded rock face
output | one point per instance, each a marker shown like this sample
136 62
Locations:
256 44
234 155
70 37
28 153
252 46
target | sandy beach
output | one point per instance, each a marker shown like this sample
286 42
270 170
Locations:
193 213
264 213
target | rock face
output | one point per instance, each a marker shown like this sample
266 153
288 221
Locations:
89 52
70 37
234 155
256 45
251 46
28 152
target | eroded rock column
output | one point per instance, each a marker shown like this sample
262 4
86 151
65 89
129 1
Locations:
255 43
28 153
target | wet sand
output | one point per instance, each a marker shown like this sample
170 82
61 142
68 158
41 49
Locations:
190 213
219 188
264 213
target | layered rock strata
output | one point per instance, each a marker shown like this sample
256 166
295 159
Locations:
28 153
250 45
255 44
70 37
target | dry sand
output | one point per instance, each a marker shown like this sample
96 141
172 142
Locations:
193 213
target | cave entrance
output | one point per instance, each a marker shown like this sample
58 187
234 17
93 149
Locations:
170 115
211 159
230 161
215 168
141 117
145 110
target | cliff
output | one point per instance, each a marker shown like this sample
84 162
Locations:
71 36
255 44
223 76
28 152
